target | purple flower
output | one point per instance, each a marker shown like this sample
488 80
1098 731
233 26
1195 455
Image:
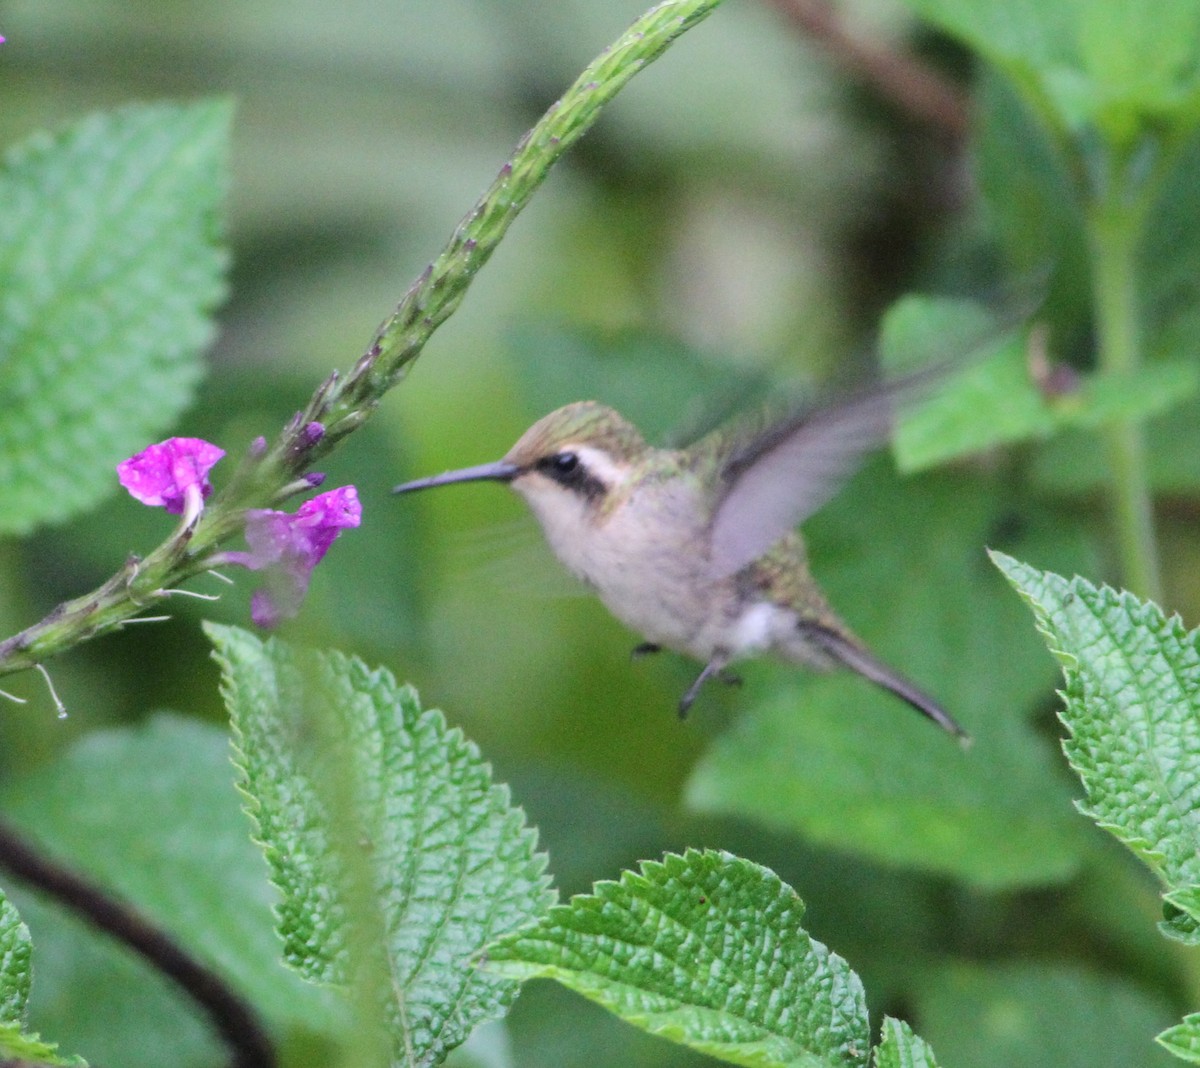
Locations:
172 474
287 548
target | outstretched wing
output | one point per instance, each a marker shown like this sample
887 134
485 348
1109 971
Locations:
774 480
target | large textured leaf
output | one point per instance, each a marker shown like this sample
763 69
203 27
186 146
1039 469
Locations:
901 1048
705 949
109 269
844 764
1133 710
337 758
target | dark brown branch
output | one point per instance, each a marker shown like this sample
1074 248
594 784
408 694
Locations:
231 1016
910 85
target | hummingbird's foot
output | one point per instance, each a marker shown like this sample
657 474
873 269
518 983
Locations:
730 678
644 649
715 668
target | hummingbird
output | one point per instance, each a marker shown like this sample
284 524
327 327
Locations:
695 549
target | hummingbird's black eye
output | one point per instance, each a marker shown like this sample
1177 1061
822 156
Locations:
567 469
564 462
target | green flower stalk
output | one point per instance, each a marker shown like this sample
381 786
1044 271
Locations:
275 472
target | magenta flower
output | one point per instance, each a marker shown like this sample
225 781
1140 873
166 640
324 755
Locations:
286 548
172 474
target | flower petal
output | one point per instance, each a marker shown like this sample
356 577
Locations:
161 475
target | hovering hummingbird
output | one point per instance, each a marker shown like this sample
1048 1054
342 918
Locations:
695 549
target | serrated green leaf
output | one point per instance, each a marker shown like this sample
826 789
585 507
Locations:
109 270
14 964
848 766
900 1048
1132 705
705 949
1182 911
1183 1040
451 861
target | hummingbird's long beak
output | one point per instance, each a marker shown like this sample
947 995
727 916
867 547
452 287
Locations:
500 471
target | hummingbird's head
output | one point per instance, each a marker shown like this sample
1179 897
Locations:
567 463
568 466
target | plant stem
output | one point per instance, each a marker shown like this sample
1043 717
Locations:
1114 231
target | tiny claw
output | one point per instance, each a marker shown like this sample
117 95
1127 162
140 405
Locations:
644 649
715 668
730 678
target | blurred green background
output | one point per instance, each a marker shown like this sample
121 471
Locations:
736 223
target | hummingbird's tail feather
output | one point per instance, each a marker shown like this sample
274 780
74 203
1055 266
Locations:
850 654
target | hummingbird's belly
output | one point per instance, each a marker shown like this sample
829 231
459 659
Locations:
663 612
696 618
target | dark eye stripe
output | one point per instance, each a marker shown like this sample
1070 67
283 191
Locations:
568 470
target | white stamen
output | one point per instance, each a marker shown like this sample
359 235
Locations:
190 593
62 709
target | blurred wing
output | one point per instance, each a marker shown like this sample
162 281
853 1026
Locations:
507 559
775 481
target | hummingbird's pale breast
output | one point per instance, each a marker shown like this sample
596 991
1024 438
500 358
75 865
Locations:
644 550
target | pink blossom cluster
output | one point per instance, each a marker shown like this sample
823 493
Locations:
284 547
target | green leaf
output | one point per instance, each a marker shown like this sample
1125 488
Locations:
450 861
159 823
1072 464
990 401
109 270
994 399
1182 911
846 765
1133 710
1183 1040
1030 1015
900 1048
1100 62
15 976
14 964
705 949
29 1049
1026 178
